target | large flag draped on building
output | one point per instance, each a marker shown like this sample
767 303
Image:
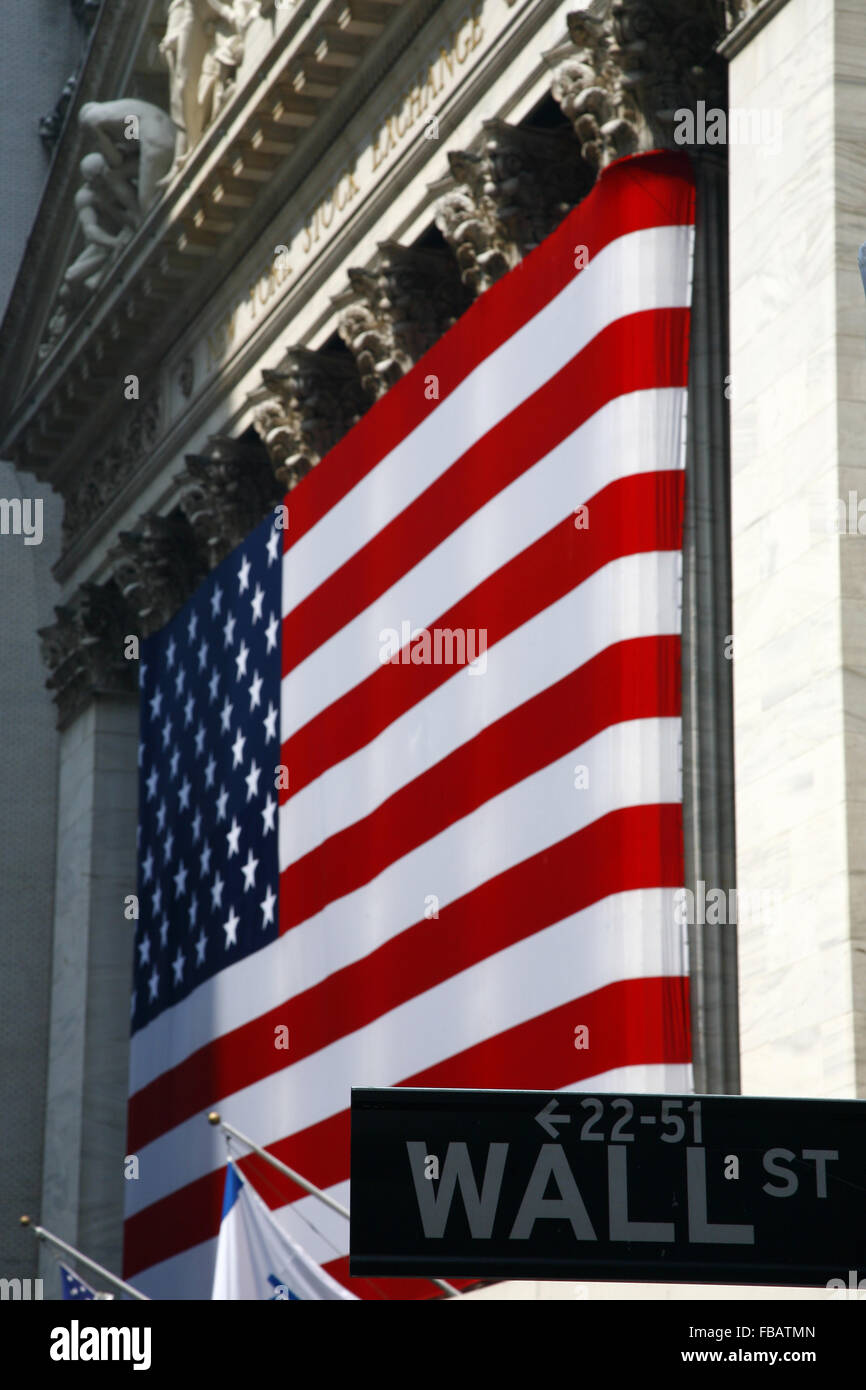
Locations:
410 788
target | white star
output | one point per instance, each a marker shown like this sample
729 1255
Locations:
179 681
177 966
270 722
168 845
193 910
144 951
232 837
180 880
187 711
156 703
267 907
202 656
268 811
153 983
169 653
273 547
216 599
140 754
173 762
166 732
151 784
213 683
192 625
196 826
216 891
209 771
160 815
249 871
252 780
142 670
147 866
241 659
244 576
271 631
163 932
156 899
199 739
204 858
256 602
183 792
230 927
199 948
238 747
229 630
226 714
221 803
256 691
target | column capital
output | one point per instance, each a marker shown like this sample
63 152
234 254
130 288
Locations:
225 493
304 407
84 649
632 68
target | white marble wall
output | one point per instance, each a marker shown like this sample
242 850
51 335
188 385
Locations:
798 365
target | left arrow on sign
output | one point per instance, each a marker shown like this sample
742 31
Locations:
548 1120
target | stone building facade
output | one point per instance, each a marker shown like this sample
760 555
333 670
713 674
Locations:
257 217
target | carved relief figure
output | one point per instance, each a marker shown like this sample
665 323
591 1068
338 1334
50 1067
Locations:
203 45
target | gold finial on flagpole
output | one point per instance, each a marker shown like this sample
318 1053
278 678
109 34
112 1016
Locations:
24 1220
214 1117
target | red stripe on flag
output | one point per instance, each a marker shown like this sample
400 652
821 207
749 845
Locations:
638 679
638 847
633 515
651 1028
646 351
655 190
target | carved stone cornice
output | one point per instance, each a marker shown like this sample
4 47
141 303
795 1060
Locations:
225 493
157 568
397 309
88 489
84 649
633 67
304 408
245 167
510 195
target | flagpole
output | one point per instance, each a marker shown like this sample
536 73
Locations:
41 1234
214 1118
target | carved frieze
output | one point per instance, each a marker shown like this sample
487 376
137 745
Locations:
508 197
304 408
633 68
89 489
84 649
225 493
397 309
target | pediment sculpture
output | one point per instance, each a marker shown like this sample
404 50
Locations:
203 46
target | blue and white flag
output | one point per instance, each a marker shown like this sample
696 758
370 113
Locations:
256 1259
75 1287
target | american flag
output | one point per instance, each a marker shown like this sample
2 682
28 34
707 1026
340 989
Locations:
464 654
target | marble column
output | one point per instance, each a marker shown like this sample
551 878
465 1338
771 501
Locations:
85 1123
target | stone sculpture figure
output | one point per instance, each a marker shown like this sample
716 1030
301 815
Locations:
202 45
107 210
110 123
225 53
